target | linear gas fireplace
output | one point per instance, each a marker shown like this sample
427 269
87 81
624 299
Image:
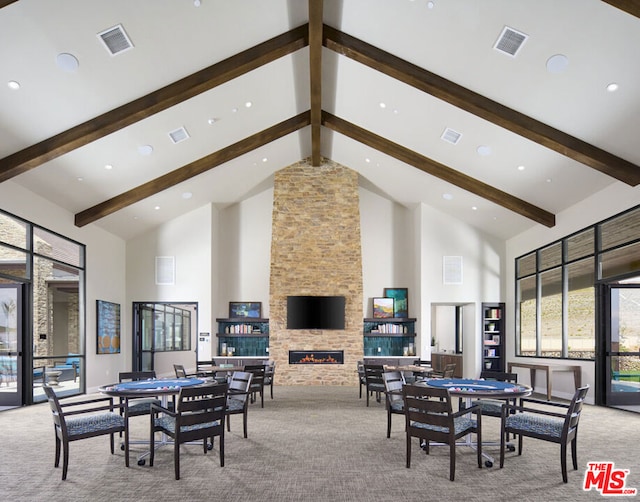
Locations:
316 357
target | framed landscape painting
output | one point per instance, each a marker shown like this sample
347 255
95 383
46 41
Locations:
245 309
382 308
400 301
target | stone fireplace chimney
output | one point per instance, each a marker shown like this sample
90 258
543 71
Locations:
316 250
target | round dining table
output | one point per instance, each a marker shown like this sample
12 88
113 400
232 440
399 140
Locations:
471 389
152 387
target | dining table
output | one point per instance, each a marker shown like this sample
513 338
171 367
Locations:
162 388
470 389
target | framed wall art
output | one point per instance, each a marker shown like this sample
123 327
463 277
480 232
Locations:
382 308
245 309
108 327
400 301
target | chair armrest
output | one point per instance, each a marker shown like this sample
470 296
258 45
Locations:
156 408
542 401
237 392
107 407
89 401
475 408
519 408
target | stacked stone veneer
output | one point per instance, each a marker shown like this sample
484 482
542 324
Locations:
316 250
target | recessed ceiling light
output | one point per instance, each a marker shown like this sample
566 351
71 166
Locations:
474 208
248 104
80 178
187 195
557 63
548 180
447 196
264 159
145 149
484 150
234 110
430 5
367 160
521 168
612 87
383 105
157 208
13 85
395 111
212 120
108 167
67 62
196 3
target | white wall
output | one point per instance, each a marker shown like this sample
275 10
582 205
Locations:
244 251
188 240
483 268
105 278
387 250
614 199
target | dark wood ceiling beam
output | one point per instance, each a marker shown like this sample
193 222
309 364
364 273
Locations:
438 170
157 101
4 3
481 106
315 74
192 169
629 6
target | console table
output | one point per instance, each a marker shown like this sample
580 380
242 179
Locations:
549 369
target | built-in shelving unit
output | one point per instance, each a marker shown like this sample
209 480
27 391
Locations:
243 336
392 336
493 337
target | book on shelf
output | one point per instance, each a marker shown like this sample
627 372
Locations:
493 313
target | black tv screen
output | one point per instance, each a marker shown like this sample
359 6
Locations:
315 312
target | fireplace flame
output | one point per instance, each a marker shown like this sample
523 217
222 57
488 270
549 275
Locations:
310 358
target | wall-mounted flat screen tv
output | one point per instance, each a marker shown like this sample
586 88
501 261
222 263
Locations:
315 312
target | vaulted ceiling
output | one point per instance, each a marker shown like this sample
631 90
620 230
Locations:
204 100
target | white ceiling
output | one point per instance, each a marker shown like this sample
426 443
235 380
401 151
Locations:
454 39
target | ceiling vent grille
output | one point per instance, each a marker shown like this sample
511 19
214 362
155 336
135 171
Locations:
510 41
179 135
115 40
451 136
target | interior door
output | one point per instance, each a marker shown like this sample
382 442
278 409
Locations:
11 337
143 346
622 345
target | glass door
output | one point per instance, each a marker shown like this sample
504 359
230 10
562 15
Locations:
622 345
11 344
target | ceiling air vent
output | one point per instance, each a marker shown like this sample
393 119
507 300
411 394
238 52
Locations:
451 136
179 135
115 40
510 41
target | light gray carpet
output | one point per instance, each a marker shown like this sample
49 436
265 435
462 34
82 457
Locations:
309 443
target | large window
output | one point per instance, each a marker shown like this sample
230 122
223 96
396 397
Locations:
51 269
555 286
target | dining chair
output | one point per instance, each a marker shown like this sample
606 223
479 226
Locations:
257 382
136 406
393 382
361 378
182 373
421 375
493 407
429 417
446 372
200 414
548 421
269 376
238 397
374 382
84 419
